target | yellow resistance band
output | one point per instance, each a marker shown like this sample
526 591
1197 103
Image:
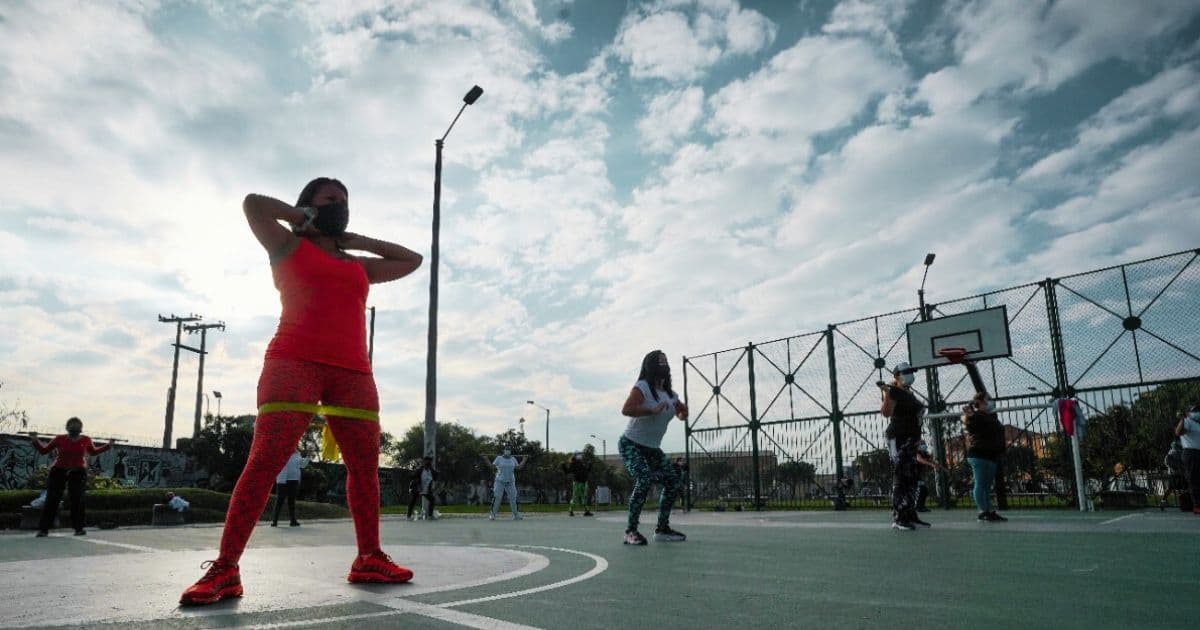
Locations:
329 446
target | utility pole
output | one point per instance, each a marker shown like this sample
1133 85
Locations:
169 418
203 330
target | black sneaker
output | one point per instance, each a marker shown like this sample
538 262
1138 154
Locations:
664 533
571 513
81 532
983 516
294 524
274 523
634 537
921 523
588 514
42 533
993 517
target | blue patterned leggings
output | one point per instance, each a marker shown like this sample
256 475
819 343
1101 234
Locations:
647 466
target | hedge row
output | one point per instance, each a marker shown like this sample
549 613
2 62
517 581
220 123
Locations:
133 506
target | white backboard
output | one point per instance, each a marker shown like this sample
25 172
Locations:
983 334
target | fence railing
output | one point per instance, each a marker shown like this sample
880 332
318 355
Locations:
795 422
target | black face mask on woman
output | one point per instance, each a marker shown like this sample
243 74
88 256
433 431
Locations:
332 218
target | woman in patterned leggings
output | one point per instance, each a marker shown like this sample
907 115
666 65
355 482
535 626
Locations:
316 364
650 406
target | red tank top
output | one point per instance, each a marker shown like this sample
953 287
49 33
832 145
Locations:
324 309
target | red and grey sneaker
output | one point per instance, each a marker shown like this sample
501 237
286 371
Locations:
223 580
378 567
634 537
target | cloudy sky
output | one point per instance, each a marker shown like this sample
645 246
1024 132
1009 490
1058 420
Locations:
683 175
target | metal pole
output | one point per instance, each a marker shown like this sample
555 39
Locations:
941 480
199 384
431 342
687 437
754 430
169 420
835 418
547 430
371 339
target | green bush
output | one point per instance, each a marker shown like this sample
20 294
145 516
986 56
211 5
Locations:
132 506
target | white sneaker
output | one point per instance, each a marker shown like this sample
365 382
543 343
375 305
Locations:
491 517
903 526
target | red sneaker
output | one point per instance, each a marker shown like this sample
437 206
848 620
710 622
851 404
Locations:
378 567
222 581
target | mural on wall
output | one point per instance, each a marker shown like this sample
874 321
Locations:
132 466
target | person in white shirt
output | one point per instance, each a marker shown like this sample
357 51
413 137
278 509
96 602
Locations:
1188 431
650 407
287 483
506 482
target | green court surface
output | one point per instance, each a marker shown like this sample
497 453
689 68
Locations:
1043 569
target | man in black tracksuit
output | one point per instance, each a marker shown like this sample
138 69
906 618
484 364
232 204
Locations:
903 433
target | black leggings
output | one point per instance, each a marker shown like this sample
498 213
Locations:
286 490
74 479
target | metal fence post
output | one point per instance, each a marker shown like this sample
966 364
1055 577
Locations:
1062 386
754 429
687 442
835 418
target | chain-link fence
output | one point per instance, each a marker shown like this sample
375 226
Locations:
795 422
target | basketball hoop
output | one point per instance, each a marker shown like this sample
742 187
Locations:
953 355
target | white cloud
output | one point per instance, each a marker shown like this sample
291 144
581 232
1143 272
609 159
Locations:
670 116
680 41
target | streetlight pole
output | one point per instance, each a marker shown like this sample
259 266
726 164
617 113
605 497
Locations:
933 388
431 348
217 394
603 447
530 402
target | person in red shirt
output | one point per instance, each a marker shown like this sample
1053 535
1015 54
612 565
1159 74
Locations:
69 470
317 363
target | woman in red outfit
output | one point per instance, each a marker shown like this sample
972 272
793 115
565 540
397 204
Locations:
316 363
70 470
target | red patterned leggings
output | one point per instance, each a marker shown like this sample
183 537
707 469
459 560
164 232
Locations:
277 434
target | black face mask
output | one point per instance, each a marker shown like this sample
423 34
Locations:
74 431
332 218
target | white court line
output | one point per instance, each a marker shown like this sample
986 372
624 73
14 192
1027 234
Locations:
440 611
1121 518
97 541
601 567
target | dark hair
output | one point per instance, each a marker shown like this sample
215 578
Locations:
311 188
74 419
650 367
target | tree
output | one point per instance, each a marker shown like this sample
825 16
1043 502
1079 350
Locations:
460 453
796 473
222 448
12 418
1126 437
875 467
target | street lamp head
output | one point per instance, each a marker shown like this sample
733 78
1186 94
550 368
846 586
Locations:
473 95
529 402
929 258
216 393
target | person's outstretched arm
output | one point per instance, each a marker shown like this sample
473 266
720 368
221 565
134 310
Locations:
92 449
976 379
394 262
39 447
